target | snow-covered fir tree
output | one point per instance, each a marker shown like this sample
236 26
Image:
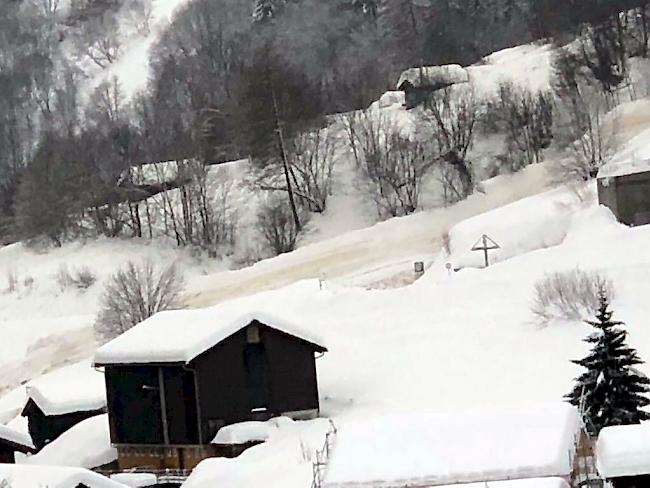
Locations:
611 391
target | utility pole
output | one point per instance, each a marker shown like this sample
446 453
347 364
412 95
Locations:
283 152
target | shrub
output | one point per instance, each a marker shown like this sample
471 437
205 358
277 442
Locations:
82 278
276 224
569 295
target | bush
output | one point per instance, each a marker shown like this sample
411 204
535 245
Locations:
82 278
134 293
277 226
569 295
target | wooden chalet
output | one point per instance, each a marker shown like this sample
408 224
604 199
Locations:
623 455
11 442
419 83
175 379
624 187
61 399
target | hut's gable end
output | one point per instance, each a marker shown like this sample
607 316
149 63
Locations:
627 196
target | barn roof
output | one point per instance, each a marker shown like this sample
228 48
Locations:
448 74
462 447
19 439
624 450
24 476
178 336
633 158
75 388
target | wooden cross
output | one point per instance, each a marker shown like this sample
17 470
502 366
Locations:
485 244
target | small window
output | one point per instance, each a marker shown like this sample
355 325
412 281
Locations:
253 334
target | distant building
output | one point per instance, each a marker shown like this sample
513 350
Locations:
61 399
533 447
175 379
623 455
419 83
624 187
11 442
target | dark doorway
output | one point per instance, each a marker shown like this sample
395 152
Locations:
257 375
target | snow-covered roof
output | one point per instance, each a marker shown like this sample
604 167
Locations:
633 158
177 336
16 437
136 480
75 388
23 476
85 445
623 450
448 74
552 482
463 447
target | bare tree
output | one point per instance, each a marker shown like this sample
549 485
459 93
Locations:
136 292
451 115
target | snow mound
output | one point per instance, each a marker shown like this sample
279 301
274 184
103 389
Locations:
137 480
283 461
523 483
85 445
581 230
21 476
532 223
75 388
244 432
161 338
623 450
478 446
448 74
391 98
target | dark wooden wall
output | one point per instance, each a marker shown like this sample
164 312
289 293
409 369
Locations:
641 481
628 197
45 428
222 381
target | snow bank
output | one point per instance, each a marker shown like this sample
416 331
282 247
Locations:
137 480
15 436
464 447
448 74
75 388
181 335
283 461
244 432
85 445
522 483
21 476
532 223
623 450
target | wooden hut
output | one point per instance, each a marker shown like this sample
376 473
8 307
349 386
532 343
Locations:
175 379
11 442
624 187
623 455
61 399
419 83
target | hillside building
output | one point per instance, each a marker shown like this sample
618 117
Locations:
624 187
175 379
623 455
61 399
419 83
11 442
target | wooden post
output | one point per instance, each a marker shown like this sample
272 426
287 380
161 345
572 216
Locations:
163 405
485 244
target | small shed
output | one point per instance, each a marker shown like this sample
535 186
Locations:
175 379
61 399
418 83
431 449
11 442
623 455
624 183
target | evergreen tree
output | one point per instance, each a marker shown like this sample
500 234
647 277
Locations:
611 391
